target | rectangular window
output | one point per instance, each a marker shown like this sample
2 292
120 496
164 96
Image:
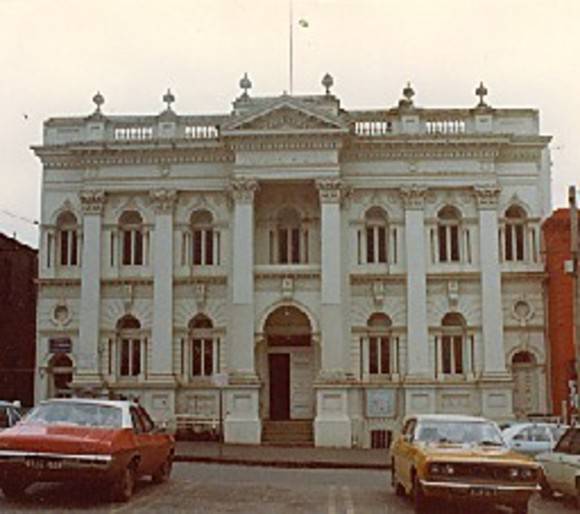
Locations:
272 246
138 248
207 358
136 357
74 248
112 250
196 251
442 232
373 356
125 356
196 357
468 246
48 250
64 249
458 355
209 247
358 246
370 245
306 256
395 258
509 253
519 242
380 439
382 244
446 355
385 355
295 245
454 243
283 246
127 234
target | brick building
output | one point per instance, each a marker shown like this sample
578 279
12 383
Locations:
560 307
18 271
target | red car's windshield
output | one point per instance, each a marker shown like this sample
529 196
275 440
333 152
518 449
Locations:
77 413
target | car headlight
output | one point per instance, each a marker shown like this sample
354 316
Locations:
435 469
514 473
449 469
528 473
438 468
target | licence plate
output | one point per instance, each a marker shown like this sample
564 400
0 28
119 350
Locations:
43 464
482 491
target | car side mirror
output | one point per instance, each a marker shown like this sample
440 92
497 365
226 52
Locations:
408 438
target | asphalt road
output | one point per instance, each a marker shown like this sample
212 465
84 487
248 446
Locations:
218 489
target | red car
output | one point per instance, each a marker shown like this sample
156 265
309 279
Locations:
114 442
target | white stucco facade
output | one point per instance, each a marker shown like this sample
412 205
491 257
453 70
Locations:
344 267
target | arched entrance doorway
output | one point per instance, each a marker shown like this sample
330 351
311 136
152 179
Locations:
60 371
290 375
526 384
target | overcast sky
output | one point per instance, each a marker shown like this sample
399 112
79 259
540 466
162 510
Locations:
55 54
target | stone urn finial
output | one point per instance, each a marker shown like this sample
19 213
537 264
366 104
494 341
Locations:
98 100
327 82
169 98
246 85
481 91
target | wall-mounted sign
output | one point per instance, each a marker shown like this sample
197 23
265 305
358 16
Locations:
60 345
381 403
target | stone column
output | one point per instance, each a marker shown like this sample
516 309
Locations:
162 334
491 300
496 383
87 350
242 421
332 426
417 332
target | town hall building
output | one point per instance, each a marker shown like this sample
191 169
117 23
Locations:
295 260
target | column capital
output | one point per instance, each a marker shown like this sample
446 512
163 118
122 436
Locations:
92 201
332 190
242 190
163 200
413 196
487 196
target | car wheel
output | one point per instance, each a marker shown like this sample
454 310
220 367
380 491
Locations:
124 487
419 500
545 489
13 490
395 484
163 472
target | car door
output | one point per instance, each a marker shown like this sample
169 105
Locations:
158 441
405 454
144 441
539 440
552 463
570 464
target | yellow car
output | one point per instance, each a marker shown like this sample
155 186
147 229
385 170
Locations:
460 458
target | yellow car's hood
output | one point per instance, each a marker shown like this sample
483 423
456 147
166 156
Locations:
468 453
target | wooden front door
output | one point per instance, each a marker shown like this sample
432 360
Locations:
279 364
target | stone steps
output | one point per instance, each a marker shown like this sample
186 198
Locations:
288 433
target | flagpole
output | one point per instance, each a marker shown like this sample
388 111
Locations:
291 28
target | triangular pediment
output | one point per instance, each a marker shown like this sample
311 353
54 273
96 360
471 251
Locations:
287 117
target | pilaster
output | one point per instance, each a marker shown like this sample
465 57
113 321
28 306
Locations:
417 330
87 352
162 333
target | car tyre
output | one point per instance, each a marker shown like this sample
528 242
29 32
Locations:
164 471
546 490
419 499
13 490
124 487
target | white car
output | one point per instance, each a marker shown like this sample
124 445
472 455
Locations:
561 467
534 437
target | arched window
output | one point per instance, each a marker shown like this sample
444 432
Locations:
380 349
67 239
376 235
131 226
204 240
515 223
448 223
204 347
289 241
60 369
454 355
130 348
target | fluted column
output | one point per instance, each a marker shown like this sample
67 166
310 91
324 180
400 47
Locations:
333 358
87 350
491 299
242 401
242 330
162 333
417 332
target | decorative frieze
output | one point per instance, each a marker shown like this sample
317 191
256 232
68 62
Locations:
163 200
92 201
243 190
413 196
487 196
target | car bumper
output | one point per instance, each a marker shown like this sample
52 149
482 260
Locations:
55 467
481 492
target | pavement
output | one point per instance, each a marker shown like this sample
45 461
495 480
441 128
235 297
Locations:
281 456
